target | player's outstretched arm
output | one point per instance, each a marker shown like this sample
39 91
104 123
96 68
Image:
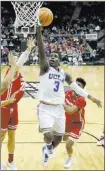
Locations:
44 65
15 66
9 77
81 91
25 55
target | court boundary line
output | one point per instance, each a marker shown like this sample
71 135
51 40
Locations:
35 122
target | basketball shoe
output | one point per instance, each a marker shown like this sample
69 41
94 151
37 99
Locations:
3 167
50 150
11 166
45 156
68 163
102 139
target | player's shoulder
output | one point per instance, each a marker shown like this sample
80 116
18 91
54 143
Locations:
42 74
61 70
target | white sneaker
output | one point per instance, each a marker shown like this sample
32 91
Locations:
45 156
101 141
11 166
3 167
51 154
68 163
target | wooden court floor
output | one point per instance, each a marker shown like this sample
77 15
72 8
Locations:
87 155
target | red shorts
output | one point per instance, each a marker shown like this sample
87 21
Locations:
9 118
74 129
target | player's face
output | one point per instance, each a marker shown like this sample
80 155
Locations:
79 84
54 60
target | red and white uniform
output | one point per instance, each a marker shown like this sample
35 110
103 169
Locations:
9 113
75 122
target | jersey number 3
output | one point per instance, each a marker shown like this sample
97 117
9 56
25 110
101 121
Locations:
57 83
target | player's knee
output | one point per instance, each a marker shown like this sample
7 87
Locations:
69 143
48 137
58 139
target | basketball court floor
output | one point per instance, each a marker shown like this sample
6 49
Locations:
87 155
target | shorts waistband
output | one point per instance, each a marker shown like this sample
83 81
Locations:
46 103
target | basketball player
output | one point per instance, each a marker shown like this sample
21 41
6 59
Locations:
9 113
51 113
5 83
15 66
75 119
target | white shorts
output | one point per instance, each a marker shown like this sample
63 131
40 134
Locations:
51 118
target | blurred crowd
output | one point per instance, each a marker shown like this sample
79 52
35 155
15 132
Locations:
90 19
71 48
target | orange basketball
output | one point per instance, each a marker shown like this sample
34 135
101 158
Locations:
45 16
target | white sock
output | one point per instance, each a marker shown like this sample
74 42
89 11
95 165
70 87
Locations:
103 134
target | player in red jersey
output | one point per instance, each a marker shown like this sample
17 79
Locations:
9 77
75 119
9 113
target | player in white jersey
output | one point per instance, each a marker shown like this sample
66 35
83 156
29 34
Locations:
51 113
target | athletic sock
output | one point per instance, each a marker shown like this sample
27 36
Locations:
103 134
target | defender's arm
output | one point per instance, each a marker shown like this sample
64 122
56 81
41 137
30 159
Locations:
9 77
81 91
70 109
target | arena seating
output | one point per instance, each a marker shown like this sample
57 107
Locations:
65 37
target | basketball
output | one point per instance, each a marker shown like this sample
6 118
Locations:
45 16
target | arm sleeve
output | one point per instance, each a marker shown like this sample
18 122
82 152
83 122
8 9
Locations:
80 103
23 58
78 90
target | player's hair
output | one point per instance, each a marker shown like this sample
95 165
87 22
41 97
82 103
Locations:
56 53
82 81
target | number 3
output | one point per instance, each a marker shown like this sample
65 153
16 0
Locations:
57 83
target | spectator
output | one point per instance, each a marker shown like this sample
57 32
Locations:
97 28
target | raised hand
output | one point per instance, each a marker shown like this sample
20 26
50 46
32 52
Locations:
30 43
11 59
94 100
